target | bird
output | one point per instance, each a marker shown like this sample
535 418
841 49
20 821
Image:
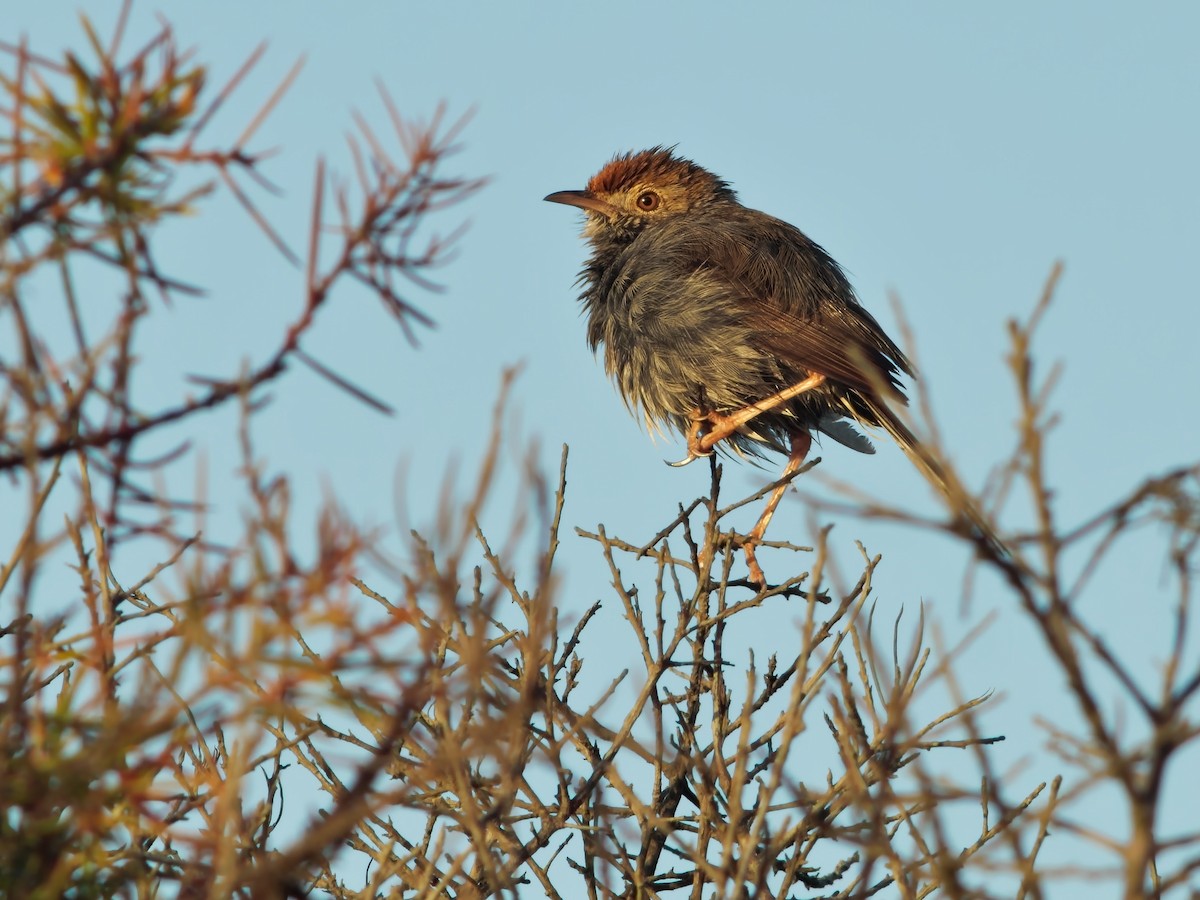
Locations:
733 327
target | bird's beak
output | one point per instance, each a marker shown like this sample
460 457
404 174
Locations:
584 200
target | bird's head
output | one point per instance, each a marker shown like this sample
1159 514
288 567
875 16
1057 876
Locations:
636 189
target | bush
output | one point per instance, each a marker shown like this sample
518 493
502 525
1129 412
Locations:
463 739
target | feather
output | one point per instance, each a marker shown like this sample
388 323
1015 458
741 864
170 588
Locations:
845 434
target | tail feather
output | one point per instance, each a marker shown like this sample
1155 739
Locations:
960 501
844 433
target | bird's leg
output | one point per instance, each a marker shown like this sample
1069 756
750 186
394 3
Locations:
720 426
801 442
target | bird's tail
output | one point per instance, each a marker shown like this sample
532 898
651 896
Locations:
960 501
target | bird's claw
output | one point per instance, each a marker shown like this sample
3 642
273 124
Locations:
696 450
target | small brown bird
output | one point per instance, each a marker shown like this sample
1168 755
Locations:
728 324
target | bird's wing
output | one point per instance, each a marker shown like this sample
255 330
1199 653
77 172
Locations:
839 346
801 306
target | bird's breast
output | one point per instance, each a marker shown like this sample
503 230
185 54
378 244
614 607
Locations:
674 338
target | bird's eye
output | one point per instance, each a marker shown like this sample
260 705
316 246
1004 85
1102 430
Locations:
648 201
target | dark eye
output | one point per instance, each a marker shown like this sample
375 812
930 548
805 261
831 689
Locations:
648 201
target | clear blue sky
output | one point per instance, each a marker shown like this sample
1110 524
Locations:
949 152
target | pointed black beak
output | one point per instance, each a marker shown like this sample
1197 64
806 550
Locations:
584 200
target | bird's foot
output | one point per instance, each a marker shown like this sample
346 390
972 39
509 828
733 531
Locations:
700 440
755 576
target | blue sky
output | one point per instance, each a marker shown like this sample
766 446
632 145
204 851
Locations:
947 152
